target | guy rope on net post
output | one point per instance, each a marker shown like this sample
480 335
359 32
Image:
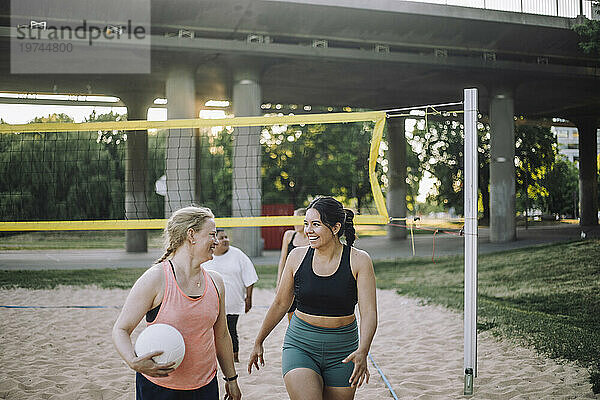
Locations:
470 203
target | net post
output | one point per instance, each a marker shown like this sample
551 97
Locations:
470 206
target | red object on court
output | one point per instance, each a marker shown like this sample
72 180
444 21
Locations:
273 235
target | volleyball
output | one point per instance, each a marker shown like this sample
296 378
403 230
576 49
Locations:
161 337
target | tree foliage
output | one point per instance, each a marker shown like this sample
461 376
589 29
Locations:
535 153
441 152
440 146
589 36
414 174
562 185
71 175
304 161
60 175
215 168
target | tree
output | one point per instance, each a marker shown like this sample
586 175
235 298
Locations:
414 174
34 179
114 142
589 35
63 175
105 178
304 161
562 185
301 162
535 153
440 147
441 143
215 165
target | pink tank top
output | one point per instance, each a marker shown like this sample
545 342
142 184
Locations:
194 318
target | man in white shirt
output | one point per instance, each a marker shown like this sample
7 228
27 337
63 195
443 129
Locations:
239 277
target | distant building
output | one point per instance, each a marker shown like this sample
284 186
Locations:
568 142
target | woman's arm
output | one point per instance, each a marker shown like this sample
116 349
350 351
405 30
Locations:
287 236
367 307
139 301
281 303
248 300
223 344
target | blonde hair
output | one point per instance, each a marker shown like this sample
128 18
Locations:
181 221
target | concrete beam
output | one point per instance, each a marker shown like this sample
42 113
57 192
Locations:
299 51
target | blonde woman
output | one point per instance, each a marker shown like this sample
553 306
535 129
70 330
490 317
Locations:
291 239
179 292
324 357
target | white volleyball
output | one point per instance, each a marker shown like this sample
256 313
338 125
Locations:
161 337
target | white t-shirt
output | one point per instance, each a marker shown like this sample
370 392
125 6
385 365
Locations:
238 273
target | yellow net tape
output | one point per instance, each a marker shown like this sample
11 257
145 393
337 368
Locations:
228 222
332 118
373 154
377 116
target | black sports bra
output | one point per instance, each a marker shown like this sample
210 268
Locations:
333 295
291 244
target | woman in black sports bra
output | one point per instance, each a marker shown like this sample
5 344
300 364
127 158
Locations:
291 239
323 356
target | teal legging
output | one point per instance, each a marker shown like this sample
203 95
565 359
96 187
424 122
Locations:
320 349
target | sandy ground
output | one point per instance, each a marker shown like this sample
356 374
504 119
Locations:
66 353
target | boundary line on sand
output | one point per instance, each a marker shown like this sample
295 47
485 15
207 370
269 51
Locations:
385 380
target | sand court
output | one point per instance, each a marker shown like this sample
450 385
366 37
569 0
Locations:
67 353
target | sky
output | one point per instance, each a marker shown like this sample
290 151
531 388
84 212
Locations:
23 113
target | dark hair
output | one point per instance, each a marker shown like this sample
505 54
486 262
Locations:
332 212
220 230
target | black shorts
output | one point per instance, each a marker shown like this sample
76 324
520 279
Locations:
146 390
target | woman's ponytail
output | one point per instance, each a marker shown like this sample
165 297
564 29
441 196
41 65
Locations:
349 231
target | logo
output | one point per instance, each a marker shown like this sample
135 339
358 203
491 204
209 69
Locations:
79 37
84 31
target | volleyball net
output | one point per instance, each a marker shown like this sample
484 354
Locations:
132 174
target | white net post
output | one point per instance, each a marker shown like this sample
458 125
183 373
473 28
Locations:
470 230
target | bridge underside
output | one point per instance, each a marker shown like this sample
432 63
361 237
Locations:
361 84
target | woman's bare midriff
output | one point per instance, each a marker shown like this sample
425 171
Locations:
325 322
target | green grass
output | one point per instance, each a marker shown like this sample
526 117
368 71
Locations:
121 278
109 239
545 297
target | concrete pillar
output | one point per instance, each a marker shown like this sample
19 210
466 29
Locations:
136 170
588 171
180 163
247 187
396 193
502 166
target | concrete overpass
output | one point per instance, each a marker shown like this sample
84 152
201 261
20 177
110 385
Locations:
391 53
